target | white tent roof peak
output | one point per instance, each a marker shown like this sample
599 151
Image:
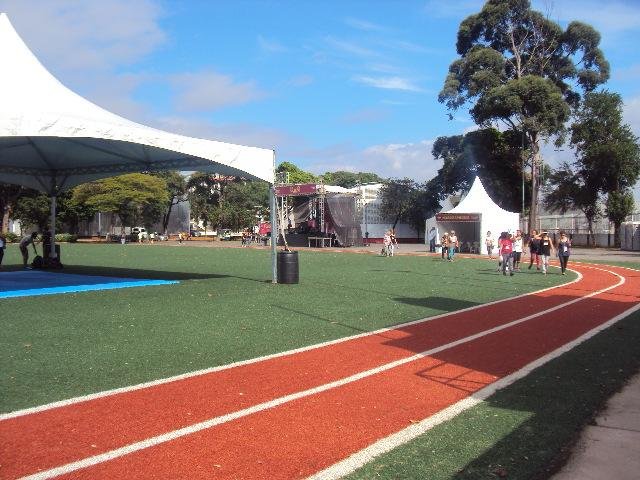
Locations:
477 200
52 139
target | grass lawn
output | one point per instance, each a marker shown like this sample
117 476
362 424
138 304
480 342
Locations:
224 309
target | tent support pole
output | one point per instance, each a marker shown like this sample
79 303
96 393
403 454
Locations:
52 252
274 225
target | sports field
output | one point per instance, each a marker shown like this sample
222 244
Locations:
296 414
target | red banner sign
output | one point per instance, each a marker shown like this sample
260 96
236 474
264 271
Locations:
297 189
457 217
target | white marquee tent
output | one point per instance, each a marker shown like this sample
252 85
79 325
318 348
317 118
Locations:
52 139
474 216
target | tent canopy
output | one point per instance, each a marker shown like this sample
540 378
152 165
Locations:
52 139
474 216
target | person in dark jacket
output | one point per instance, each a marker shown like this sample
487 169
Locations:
564 251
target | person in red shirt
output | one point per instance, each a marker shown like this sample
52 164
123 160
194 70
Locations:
505 247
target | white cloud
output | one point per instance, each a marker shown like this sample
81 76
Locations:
88 35
388 83
365 115
364 25
411 160
300 81
350 47
270 46
210 90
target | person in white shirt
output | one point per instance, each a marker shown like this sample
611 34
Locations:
517 249
488 241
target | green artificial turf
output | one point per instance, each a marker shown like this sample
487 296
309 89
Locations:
526 430
224 309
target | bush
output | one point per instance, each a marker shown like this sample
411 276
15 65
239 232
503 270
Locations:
66 237
11 237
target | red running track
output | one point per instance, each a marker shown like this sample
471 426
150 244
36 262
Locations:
137 434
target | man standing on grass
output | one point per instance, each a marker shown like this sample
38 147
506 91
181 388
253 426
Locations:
24 243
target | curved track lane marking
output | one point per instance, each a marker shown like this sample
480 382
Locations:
314 391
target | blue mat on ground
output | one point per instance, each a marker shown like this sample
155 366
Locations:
26 283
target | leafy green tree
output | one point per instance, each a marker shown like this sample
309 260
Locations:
607 151
71 212
397 199
492 155
33 208
296 175
177 189
9 195
134 198
350 179
519 67
569 190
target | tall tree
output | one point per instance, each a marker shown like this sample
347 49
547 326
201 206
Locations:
398 197
345 179
296 175
9 195
569 190
134 198
177 189
607 150
519 67
492 155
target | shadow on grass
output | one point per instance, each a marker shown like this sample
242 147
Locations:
554 403
145 274
306 314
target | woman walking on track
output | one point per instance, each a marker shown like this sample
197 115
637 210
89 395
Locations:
546 249
564 250
534 249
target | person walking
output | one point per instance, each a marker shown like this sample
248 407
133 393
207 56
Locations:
546 250
517 250
394 242
505 246
534 249
453 244
564 251
444 245
24 244
386 241
488 241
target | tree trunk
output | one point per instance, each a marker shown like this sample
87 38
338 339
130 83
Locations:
535 163
616 234
5 220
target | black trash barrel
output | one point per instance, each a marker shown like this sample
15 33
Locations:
288 267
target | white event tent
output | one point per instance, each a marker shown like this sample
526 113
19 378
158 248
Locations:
52 139
473 217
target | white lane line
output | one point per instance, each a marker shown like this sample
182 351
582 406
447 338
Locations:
197 373
361 458
175 434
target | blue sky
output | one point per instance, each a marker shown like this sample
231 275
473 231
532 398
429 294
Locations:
329 85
